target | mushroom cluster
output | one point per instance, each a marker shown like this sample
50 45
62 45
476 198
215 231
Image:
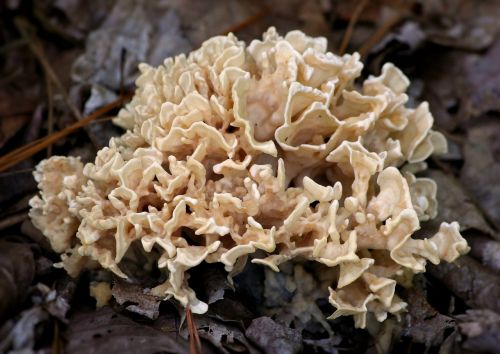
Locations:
271 146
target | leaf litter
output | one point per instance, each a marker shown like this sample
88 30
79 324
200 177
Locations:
449 49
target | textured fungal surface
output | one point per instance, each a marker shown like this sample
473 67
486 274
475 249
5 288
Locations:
270 146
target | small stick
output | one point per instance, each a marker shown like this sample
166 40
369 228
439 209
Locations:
350 27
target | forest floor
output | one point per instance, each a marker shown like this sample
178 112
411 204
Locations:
61 61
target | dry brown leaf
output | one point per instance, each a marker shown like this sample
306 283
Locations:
477 285
274 338
134 299
104 331
422 322
482 330
17 270
454 203
481 171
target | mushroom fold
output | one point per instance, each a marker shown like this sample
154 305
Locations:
269 147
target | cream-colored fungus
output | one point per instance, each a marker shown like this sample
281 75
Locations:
271 147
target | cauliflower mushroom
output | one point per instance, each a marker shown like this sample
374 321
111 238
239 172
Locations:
272 147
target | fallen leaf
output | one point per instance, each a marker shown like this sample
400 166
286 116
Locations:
482 330
55 301
325 345
481 170
104 331
227 337
291 295
422 322
230 310
403 41
71 19
461 24
249 284
279 286
17 270
476 285
22 337
211 281
454 203
482 81
134 31
274 338
204 19
485 249
134 299
443 81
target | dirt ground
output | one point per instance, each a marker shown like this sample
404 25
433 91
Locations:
63 60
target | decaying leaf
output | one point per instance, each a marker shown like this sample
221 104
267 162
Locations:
325 345
454 203
481 171
17 270
274 338
460 79
22 335
482 330
134 31
291 295
213 281
134 299
486 250
461 24
54 302
477 285
482 79
105 331
71 20
422 322
227 337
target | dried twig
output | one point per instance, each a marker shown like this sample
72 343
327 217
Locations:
194 338
350 27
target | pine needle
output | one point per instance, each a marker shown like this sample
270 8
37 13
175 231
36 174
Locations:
28 150
194 338
350 27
